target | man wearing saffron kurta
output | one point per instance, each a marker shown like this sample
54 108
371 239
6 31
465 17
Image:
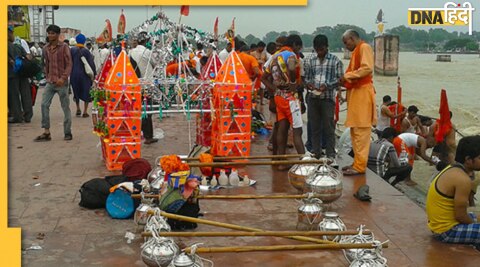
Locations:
361 113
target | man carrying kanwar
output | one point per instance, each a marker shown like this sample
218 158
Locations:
281 78
448 197
361 113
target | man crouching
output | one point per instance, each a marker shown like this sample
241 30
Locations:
448 197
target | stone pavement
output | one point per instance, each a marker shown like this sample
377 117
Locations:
44 179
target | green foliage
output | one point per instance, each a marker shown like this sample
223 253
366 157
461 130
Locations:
416 39
461 43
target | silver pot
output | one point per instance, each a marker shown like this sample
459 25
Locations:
352 254
369 258
140 217
326 182
185 260
157 223
310 211
156 177
300 172
332 222
159 251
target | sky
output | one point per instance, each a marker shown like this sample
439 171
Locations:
259 20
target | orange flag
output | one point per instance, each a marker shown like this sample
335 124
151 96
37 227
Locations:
106 35
122 24
444 123
230 35
215 28
184 10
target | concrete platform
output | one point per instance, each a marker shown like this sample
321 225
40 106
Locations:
44 179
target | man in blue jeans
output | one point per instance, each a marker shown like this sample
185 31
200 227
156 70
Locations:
58 65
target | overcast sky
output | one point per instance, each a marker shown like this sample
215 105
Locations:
259 20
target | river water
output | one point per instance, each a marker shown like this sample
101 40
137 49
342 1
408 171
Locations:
422 78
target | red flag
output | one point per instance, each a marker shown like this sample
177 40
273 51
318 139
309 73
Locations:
444 123
122 24
184 10
106 35
215 28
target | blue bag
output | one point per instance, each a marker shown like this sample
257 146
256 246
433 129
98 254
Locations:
120 204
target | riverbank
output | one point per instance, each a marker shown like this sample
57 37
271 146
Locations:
43 200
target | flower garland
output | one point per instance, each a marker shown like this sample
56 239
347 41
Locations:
171 164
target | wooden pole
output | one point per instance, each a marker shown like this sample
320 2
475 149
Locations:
251 157
242 233
284 247
234 226
273 162
137 196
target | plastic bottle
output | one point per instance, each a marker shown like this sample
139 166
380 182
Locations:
214 182
234 179
204 180
223 178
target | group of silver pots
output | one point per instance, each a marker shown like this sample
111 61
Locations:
322 179
158 251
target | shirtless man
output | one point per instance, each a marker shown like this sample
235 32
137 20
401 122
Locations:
445 150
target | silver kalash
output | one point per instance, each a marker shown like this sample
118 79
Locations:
309 212
300 172
159 251
326 182
190 260
332 222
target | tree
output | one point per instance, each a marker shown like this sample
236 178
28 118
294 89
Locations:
251 39
270 37
472 46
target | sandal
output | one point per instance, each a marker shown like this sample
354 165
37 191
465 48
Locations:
43 138
344 168
78 113
351 172
85 115
363 193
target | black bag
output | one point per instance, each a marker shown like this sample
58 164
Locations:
29 68
188 209
94 193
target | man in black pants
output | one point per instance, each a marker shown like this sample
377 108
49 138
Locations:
322 73
381 152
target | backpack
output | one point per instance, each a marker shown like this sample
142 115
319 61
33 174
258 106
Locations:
94 193
120 204
188 209
29 68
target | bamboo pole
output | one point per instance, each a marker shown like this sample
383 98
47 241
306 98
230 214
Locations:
137 196
242 233
273 162
234 226
284 247
252 157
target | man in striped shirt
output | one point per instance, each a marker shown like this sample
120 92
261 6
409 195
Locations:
58 65
322 73
382 153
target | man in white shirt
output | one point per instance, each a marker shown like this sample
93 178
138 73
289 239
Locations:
223 55
142 56
104 52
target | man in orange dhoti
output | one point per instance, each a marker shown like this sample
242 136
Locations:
361 113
